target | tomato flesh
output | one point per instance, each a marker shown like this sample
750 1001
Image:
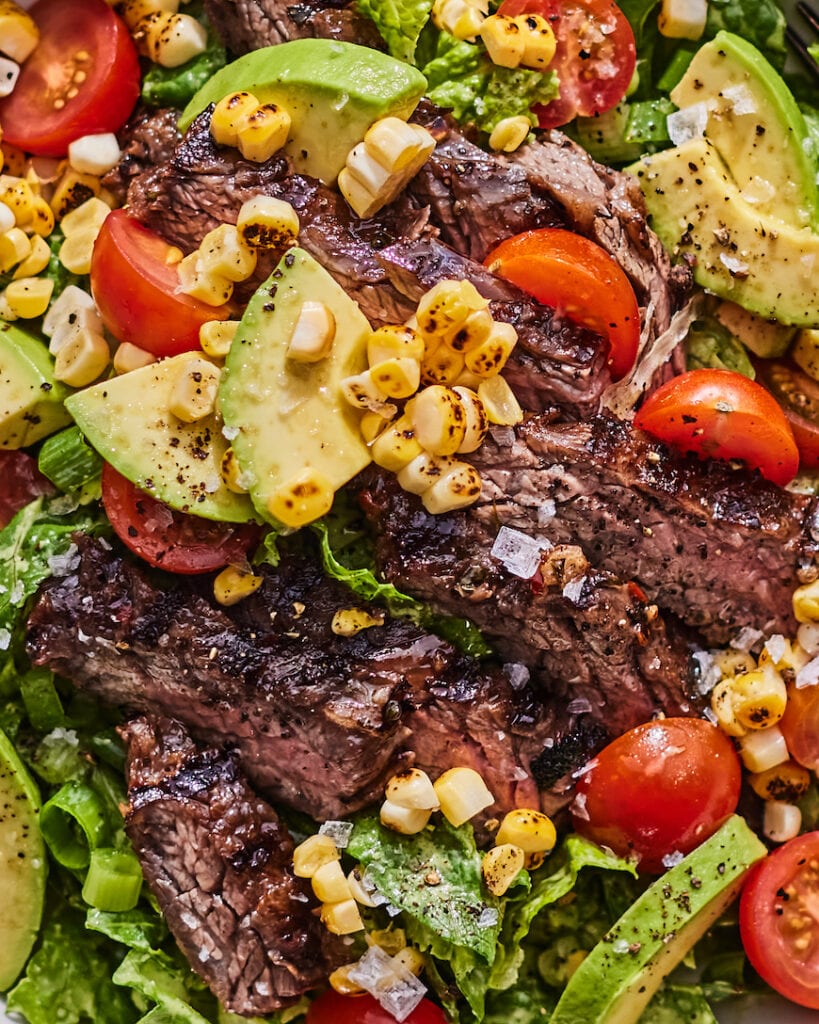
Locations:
800 725
333 1008
720 414
778 919
659 789
167 539
81 79
136 288
798 394
22 483
580 280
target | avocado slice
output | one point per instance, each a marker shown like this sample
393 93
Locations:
756 126
127 420
23 864
287 416
761 263
616 981
31 398
332 90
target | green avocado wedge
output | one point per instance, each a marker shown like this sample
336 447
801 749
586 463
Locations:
616 981
31 398
332 90
22 864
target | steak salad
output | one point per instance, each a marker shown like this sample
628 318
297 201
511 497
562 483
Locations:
408 603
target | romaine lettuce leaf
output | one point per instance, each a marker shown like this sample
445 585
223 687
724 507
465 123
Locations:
400 23
675 1003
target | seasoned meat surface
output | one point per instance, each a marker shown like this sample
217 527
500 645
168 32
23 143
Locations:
148 138
218 860
251 24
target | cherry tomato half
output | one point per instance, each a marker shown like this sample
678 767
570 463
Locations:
660 788
136 287
332 1008
778 923
595 58
167 539
81 79
720 414
800 725
580 280
798 394
22 483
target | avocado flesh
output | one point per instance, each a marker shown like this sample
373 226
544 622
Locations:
31 398
616 981
763 264
287 415
127 421
22 864
332 90
756 126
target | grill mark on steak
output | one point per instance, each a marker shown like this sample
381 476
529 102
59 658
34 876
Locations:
219 862
245 25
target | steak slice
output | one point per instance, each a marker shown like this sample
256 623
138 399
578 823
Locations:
721 548
247 25
219 862
148 138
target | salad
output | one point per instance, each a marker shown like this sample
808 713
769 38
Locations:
260 759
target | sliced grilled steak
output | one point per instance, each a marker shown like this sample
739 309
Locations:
218 860
251 24
148 138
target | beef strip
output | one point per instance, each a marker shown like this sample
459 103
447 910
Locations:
247 25
219 862
148 138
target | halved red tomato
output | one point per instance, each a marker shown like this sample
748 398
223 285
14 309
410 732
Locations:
778 919
136 287
332 1008
167 539
81 79
720 414
22 483
798 394
580 280
800 725
595 58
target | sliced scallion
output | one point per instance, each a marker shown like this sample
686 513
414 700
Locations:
67 460
74 823
43 705
114 880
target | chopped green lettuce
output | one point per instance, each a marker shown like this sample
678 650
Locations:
760 22
400 23
174 87
676 1003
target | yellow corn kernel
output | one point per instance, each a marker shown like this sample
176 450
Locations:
424 470
683 19
361 894
408 821
341 982
781 821
41 221
330 883
395 341
504 41
216 337
394 143
37 259
268 223
12 160
362 392
228 114
391 940
806 602
763 749
312 854
510 133
722 704
232 476
458 487
130 357
499 402
77 249
18 31
371 425
193 395
15 246
29 297
194 280
82 359
225 253
789 655
500 866
731 662
539 43
397 378
788 781
759 697
6 314
304 498
89 214
438 419
7 220
313 333
460 18
462 794
476 421
443 310
531 830
411 959
169 39
359 198
263 132
73 189
350 621
412 788
441 365
476 329
379 167
234 583
133 11
342 918
19 196
489 358
396 446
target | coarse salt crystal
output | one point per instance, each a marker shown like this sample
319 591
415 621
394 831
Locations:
518 675
687 124
5 639
777 647
573 590
808 675
504 437
733 264
546 512
709 673
488 917
519 553
579 706
338 831
746 638
619 946
230 433
741 98
671 859
388 981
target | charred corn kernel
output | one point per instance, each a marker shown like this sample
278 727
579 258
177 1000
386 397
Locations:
130 357
783 654
268 223
510 133
223 251
395 341
759 697
216 337
169 39
443 310
397 378
82 359
806 602
763 749
489 358
462 794
313 333
424 470
458 487
476 329
501 866
439 420
94 154
504 41
263 132
19 196
377 168
37 259
42 218
539 43
15 246
76 250
330 883
9 73
304 498
341 982
411 959
781 821
232 476
194 280
396 446
29 297
18 31
228 114
371 425
683 19
362 392
312 854
71 310
87 216
394 144
412 788
476 422
441 365
731 662
722 705
342 918
7 220
12 159
349 621
531 830
234 584
133 11
532 861
361 894
72 190
460 18
193 395
408 821
788 781
502 408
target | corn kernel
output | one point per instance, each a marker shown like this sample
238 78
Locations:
304 498
438 419
232 476
398 378
371 425
806 602
731 662
788 781
6 314
502 408
341 982
408 821
330 883
395 341
77 249
216 337
42 218
7 218
374 173
263 132
393 143
133 11
531 830
722 705
19 196
781 821
759 697
268 223
489 358
501 866
350 621
539 43
82 359
194 280
193 395
396 446
72 190
442 365
234 584
89 214
443 310
476 421
763 749
29 297
71 310
224 252
460 18
412 788
458 487
462 794
504 41
18 31
390 940
361 894
169 39
313 333
15 246
130 357
362 392
342 918
37 259
12 159
475 330
424 470
410 959
94 154
510 133
228 114
312 854
683 19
